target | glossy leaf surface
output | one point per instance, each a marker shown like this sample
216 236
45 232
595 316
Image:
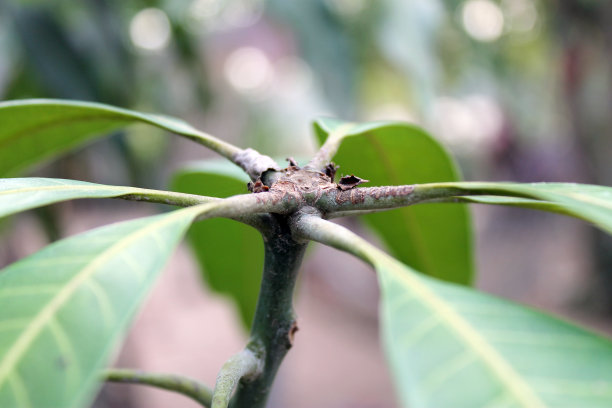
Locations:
434 238
230 253
65 308
38 129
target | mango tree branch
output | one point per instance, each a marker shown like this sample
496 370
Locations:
366 198
188 200
246 208
249 204
244 365
183 385
274 324
327 152
363 200
254 163
357 213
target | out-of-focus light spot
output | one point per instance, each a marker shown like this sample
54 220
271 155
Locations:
392 111
470 124
202 10
242 13
348 8
150 29
249 71
489 116
521 15
219 15
483 20
293 77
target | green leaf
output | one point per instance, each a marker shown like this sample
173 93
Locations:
514 202
450 346
38 129
230 253
589 202
20 194
65 308
434 238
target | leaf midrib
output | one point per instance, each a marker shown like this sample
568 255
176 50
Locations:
497 363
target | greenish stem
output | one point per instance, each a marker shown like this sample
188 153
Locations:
313 228
251 204
244 365
367 198
327 152
254 163
250 160
245 208
356 213
182 385
364 200
167 197
274 324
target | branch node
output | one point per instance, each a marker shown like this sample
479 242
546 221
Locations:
254 163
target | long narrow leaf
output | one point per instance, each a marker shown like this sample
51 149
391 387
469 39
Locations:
63 309
589 202
20 194
38 129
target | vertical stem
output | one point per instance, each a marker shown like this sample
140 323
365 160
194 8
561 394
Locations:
274 323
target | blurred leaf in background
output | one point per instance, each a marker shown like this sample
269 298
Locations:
230 253
516 89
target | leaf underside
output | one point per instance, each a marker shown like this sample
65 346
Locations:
449 346
66 307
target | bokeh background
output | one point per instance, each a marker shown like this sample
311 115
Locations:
516 89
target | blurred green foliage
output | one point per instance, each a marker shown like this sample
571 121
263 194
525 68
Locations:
517 89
